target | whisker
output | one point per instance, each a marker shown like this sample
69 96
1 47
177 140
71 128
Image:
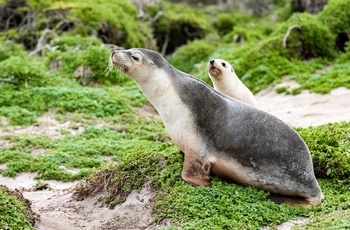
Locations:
109 67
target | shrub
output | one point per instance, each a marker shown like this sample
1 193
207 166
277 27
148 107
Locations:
261 64
74 42
177 25
115 22
226 22
86 64
97 59
345 57
39 4
194 52
336 15
18 115
311 39
244 33
23 70
9 49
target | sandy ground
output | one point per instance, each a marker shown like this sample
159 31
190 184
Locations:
306 108
58 211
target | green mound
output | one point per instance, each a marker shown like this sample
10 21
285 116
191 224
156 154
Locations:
15 212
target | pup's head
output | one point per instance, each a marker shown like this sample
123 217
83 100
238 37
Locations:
217 68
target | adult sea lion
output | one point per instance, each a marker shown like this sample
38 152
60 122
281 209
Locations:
220 134
226 81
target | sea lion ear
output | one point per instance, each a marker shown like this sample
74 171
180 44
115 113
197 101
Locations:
231 69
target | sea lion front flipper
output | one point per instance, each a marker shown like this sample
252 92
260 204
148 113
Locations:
196 170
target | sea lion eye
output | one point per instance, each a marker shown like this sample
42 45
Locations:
223 64
135 58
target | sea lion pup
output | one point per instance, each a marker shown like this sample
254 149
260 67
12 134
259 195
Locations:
220 134
226 81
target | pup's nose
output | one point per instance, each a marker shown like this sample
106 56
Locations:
211 61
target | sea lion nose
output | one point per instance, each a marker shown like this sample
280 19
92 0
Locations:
211 61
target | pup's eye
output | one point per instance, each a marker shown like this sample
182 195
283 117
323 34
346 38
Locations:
223 64
135 58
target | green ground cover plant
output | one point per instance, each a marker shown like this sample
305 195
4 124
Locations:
76 156
323 83
330 148
15 212
225 205
338 220
37 100
132 149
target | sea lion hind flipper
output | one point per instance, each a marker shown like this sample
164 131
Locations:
275 199
196 171
196 185
291 200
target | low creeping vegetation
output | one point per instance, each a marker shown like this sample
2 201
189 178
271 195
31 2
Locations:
115 149
225 205
15 212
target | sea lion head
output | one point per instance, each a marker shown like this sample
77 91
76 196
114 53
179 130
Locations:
138 62
218 68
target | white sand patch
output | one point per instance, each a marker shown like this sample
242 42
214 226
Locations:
58 211
38 152
289 224
47 126
3 166
5 143
21 181
107 159
71 170
306 109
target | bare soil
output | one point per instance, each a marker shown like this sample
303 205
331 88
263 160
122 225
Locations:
58 211
306 109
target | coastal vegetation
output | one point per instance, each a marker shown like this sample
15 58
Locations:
53 59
